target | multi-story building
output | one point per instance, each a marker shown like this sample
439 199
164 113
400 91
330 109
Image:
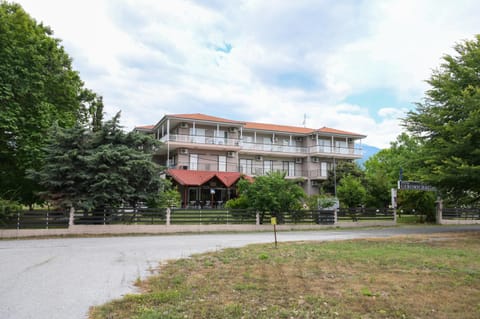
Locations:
206 155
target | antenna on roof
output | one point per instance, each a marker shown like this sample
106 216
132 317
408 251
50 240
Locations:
304 119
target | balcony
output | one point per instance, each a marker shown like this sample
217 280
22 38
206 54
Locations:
200 139
253 170
348 152
273 148
259 148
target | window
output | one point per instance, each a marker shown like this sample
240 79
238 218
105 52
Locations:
248 139
267 166
341 147
197 135
289 168
194 162
323 169
221 137
222 163
324 145
267 143
246 166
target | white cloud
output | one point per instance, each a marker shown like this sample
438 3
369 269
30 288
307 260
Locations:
149 58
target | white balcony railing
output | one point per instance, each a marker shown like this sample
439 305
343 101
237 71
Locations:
254 170
200 139
353 151
273 148
260 147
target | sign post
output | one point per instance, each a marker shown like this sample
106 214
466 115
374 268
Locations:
273 221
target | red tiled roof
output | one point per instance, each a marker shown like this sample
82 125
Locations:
197 178
203 117
281 128
145 127
258 126
335 131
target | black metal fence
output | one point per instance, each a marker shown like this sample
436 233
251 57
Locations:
364 214
461 213
44 219
124 216
31 219
323 217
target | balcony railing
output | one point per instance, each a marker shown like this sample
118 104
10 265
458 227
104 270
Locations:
273 148
254 170
200 139
261 147
319 149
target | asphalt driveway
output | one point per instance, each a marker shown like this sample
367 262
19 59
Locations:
62 278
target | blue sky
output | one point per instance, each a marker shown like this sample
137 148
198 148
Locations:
351 65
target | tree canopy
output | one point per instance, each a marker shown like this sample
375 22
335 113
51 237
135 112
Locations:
351 192
95 169
270 193
342 169
37 88
447 123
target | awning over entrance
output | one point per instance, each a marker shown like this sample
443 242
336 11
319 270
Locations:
198 178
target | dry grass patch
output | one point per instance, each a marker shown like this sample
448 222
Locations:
405 277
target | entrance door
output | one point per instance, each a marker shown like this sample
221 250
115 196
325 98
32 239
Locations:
193 197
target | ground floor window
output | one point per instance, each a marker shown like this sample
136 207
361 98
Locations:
207 197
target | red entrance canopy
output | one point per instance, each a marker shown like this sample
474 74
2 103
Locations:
198 178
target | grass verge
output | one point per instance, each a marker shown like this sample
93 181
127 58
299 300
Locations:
405 277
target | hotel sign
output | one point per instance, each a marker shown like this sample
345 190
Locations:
415 186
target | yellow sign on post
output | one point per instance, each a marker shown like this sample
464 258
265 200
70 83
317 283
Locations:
273 221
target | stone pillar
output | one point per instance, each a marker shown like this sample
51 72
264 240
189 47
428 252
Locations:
71 217
394 204
169 211
257 218
439 203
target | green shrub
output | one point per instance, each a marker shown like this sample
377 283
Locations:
8 209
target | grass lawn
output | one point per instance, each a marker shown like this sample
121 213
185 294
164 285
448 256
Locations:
404 277
411 219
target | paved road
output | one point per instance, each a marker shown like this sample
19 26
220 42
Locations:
61 278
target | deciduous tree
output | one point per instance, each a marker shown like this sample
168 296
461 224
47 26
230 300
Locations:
270 193
351 192
37 88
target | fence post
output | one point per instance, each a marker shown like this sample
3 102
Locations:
168 216
71 218
47 219
439 210
335 214
257 218
18 219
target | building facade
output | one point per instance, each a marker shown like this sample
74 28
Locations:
206 155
